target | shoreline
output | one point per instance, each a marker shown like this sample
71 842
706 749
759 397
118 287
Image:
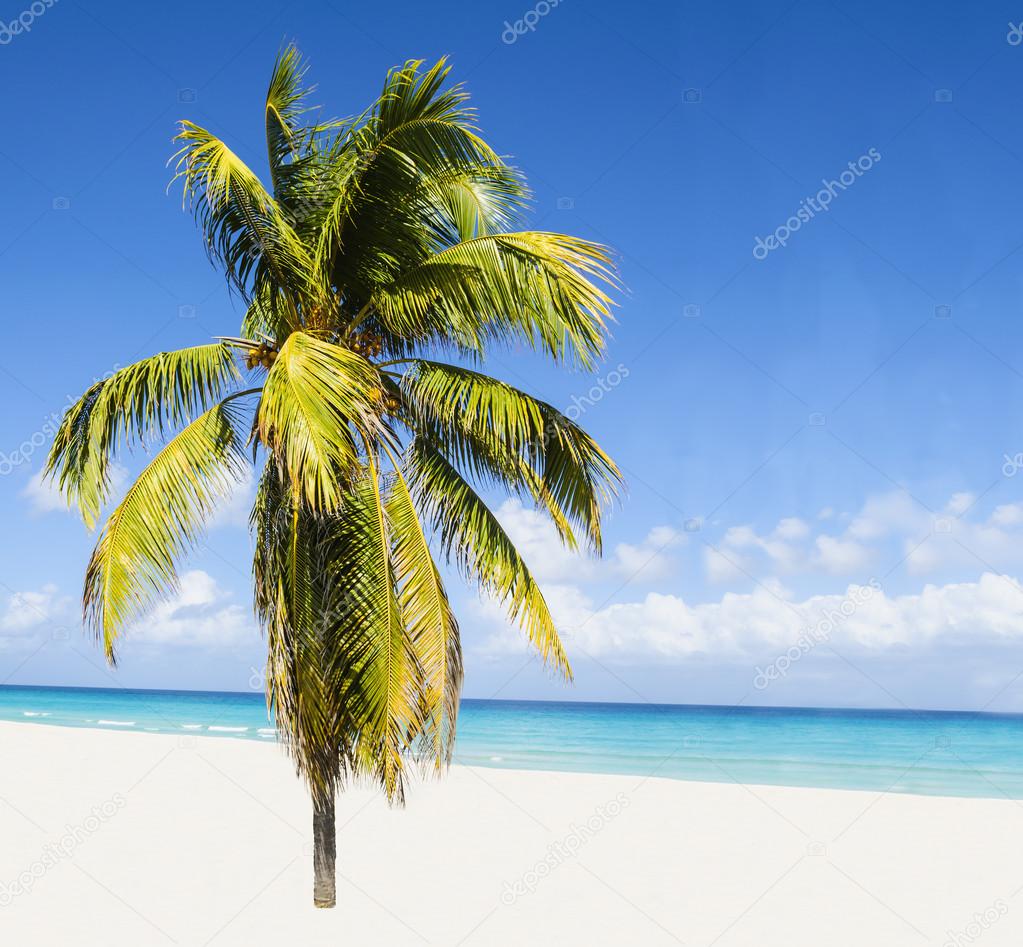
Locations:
208 842
267 736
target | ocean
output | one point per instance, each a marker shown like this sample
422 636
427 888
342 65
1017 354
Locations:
926 752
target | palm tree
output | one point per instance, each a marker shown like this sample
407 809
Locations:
382 244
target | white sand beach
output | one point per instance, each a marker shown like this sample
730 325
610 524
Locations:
128 839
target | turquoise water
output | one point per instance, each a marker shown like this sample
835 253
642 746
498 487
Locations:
928 752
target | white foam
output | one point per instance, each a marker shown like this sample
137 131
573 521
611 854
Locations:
496 759
34 713
269 730
116 723
191 726
229 729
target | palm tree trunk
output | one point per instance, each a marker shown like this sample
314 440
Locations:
324 852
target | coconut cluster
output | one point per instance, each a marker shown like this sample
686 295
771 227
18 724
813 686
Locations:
386 402
366 345
262 354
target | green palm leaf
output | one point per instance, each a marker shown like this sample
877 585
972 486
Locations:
417 127
243 226
291 583
135 560
535 287
379 239
317 400
285 109
135 405
471 535
500 433
428 618
385 699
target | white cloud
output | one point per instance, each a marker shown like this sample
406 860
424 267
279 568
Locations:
765 620
44 497
791 528
1008 515
889 529
959 503
885 514
783 549
841 556
550 561
199 613
724 566
541 547
23 612
650 560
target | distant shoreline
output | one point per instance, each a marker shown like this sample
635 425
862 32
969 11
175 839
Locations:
948 753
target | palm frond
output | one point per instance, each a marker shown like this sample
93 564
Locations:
285 108
135 405
465 203
383 696
317 399
539 288
497 432
417 127
473 537
291 586
428 619
135 560
243 226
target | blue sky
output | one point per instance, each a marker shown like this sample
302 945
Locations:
791 427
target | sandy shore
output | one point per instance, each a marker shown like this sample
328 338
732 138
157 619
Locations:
129 839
